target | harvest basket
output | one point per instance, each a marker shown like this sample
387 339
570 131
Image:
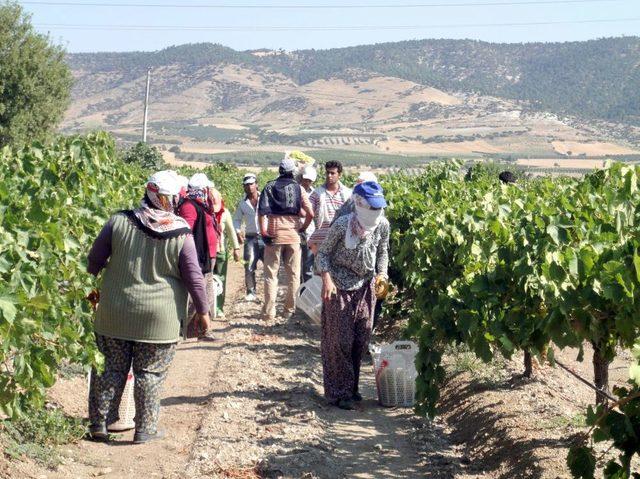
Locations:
395 372
127 407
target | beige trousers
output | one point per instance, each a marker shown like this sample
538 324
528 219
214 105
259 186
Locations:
290 253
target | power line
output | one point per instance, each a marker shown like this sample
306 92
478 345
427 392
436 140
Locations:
287 28
314 7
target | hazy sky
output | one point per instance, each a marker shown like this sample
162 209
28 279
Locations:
100 26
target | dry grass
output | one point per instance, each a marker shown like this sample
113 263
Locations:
592 148
561 163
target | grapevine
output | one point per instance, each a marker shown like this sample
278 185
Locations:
503 268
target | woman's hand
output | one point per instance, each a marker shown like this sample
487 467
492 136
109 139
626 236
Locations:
236 255
328 287
94 298
203 323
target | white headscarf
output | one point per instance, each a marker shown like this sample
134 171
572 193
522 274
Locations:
156 209
362 222
366 176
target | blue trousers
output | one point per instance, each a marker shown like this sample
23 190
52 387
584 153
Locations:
253 252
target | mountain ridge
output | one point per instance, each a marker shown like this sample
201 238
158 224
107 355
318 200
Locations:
591 79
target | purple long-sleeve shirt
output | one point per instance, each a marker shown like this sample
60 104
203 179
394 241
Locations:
190 271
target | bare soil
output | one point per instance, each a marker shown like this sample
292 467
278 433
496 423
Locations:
267 417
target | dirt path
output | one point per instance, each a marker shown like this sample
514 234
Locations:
250 405
267 416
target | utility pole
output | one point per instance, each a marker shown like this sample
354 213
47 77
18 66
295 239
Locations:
146 107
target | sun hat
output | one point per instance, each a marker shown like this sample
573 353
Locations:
200 181
249 179
309 173
366 176
164 183
372 192
183 181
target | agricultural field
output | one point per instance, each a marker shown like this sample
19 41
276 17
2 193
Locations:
244 108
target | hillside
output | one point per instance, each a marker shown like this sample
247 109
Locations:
598 78
417 97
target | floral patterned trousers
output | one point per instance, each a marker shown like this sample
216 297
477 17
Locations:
346 328
150 364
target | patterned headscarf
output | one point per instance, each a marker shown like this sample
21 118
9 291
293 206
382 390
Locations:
198 194
155 212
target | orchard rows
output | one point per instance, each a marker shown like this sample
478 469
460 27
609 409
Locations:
499 268
507 267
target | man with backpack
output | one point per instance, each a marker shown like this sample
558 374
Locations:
283 202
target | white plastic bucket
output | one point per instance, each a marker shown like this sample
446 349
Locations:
218 288
309 298
395 372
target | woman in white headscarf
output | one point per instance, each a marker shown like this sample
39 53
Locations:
149 267
351 259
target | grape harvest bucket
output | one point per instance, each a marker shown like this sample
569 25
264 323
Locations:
395 372
309 298
127 407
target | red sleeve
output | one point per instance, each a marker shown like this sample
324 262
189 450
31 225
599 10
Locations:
189 213
212 235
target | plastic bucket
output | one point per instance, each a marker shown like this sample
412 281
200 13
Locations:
395 372
309 298
218 288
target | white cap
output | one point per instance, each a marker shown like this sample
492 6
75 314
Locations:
287 164
366 176
249 179
166 182
309 173
200 180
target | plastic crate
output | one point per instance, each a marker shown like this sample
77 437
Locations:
395 373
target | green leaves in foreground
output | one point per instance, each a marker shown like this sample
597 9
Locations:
619 425
54 199
581 462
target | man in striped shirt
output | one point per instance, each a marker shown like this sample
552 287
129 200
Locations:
326 200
